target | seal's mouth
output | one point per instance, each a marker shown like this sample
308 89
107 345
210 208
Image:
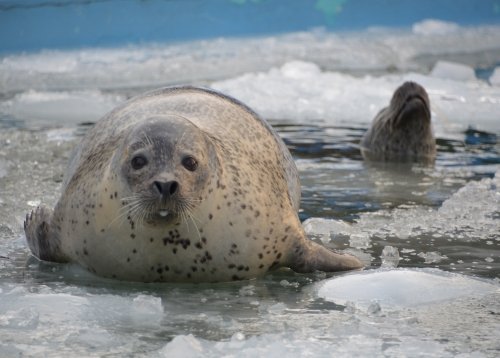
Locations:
414 109
161 216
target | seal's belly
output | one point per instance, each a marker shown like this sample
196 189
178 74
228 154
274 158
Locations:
174 256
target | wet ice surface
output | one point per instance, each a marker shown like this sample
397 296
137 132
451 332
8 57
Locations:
429 236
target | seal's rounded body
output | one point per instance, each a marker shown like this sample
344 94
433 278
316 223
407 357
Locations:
180 184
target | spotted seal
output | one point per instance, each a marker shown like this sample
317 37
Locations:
402 132
180 184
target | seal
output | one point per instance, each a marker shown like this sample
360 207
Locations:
402 132
181 184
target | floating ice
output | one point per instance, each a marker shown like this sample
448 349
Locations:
402 287
453 71
53 108
469 214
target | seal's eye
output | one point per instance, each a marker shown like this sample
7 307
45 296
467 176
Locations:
138 162
190 163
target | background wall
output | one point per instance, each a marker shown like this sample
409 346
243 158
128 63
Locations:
29 25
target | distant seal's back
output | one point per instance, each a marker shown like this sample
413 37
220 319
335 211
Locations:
402 132
180 184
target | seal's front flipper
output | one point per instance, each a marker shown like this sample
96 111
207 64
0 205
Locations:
310 256
42 243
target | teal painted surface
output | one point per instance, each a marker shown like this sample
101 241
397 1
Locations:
36 24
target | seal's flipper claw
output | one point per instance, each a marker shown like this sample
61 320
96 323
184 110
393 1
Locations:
42 244
312 257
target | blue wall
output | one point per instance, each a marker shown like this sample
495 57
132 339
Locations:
29 25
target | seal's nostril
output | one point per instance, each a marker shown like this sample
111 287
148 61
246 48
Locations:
166 189
173 187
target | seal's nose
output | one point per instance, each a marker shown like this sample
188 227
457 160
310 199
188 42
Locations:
166 189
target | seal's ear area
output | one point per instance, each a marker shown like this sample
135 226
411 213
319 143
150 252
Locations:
310 256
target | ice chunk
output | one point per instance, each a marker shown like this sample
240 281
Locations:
300 70
453 71
431 27
402 287
495 77
432 257
24 318
323 229
183 346
147 305
390 256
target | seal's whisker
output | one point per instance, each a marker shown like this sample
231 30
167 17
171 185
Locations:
122 213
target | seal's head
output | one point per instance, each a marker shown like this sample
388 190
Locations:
402 132
167 164
410 106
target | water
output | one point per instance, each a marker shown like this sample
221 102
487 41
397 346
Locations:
430 237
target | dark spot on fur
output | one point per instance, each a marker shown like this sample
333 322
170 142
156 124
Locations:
132 236
198 245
